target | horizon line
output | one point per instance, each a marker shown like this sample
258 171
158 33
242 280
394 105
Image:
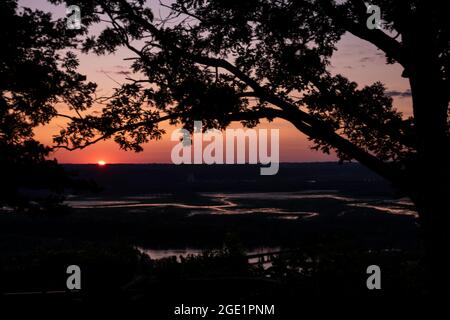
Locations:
204 164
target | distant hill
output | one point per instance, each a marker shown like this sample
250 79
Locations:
122 179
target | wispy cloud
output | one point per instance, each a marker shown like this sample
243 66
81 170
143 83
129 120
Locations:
117 70
367 59
399 94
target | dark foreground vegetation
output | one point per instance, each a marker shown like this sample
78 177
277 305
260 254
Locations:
116 273
323 257
326 257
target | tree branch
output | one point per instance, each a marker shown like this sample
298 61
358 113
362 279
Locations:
381 40
306 123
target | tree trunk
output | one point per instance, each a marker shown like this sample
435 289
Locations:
430 176
435 230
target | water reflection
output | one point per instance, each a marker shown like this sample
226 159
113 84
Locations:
391 207
156 254
237 203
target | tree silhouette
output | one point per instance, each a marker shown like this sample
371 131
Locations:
34 77
227 60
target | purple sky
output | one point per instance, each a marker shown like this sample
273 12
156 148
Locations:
356 59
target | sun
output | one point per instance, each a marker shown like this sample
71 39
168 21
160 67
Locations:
101 163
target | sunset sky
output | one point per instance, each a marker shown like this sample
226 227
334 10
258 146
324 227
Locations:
355 59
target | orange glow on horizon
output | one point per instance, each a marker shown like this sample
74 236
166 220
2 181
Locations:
294 146
101 163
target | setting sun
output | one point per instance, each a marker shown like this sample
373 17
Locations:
101 163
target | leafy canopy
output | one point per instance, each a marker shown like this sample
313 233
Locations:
36 73
221 61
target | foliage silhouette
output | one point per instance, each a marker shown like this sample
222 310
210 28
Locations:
34 77
221 61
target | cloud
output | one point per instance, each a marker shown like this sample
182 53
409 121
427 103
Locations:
399 94
125 73
122 71
367 59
